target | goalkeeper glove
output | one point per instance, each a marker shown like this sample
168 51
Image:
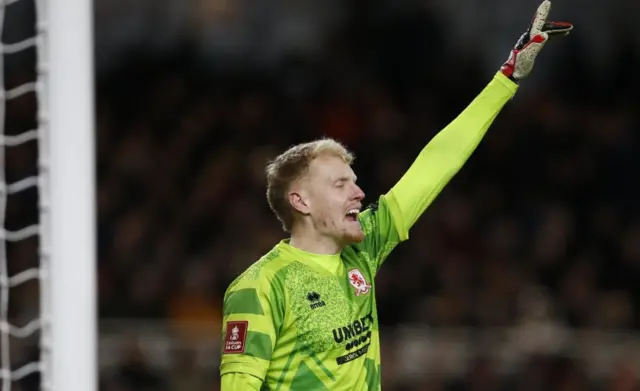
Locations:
523 55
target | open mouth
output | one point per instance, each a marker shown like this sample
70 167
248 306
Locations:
352 215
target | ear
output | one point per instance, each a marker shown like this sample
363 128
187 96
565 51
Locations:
300 201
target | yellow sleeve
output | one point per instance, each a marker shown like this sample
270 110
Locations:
236 381
446 153
251 317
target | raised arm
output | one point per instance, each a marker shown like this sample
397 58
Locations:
445 155
388 222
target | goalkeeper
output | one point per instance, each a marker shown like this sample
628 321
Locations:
304 316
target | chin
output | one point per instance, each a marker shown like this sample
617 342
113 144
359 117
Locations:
358 239
352 236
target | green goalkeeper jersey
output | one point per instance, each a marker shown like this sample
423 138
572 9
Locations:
296 321
321 310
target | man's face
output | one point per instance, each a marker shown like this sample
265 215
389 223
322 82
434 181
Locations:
333 199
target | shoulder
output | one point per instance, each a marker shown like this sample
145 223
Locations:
263 274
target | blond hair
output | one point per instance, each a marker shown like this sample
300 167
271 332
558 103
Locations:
292 165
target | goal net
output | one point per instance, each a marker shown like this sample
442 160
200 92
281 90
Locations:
24 313
47 292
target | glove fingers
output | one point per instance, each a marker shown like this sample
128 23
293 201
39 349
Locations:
523 56
557 28
540 17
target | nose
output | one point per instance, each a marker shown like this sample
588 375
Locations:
358 194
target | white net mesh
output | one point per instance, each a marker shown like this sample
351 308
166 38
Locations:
24 353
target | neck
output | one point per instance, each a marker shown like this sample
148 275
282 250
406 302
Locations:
313 242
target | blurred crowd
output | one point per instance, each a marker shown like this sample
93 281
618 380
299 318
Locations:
541 225
539 233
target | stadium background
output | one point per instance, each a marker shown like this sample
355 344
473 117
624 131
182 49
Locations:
524 273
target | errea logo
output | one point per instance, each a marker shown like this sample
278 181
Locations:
314 300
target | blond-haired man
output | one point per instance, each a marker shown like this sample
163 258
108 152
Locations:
304 316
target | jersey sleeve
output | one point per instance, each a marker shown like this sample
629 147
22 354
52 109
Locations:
252 316
447 152
388 223
239 381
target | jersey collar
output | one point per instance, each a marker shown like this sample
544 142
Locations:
327 262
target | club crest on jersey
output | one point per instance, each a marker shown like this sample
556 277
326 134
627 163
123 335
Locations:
358 282
235 337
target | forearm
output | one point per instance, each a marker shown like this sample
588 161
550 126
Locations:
447 152
236 381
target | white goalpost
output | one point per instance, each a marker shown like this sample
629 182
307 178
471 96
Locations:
65 181
72 181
